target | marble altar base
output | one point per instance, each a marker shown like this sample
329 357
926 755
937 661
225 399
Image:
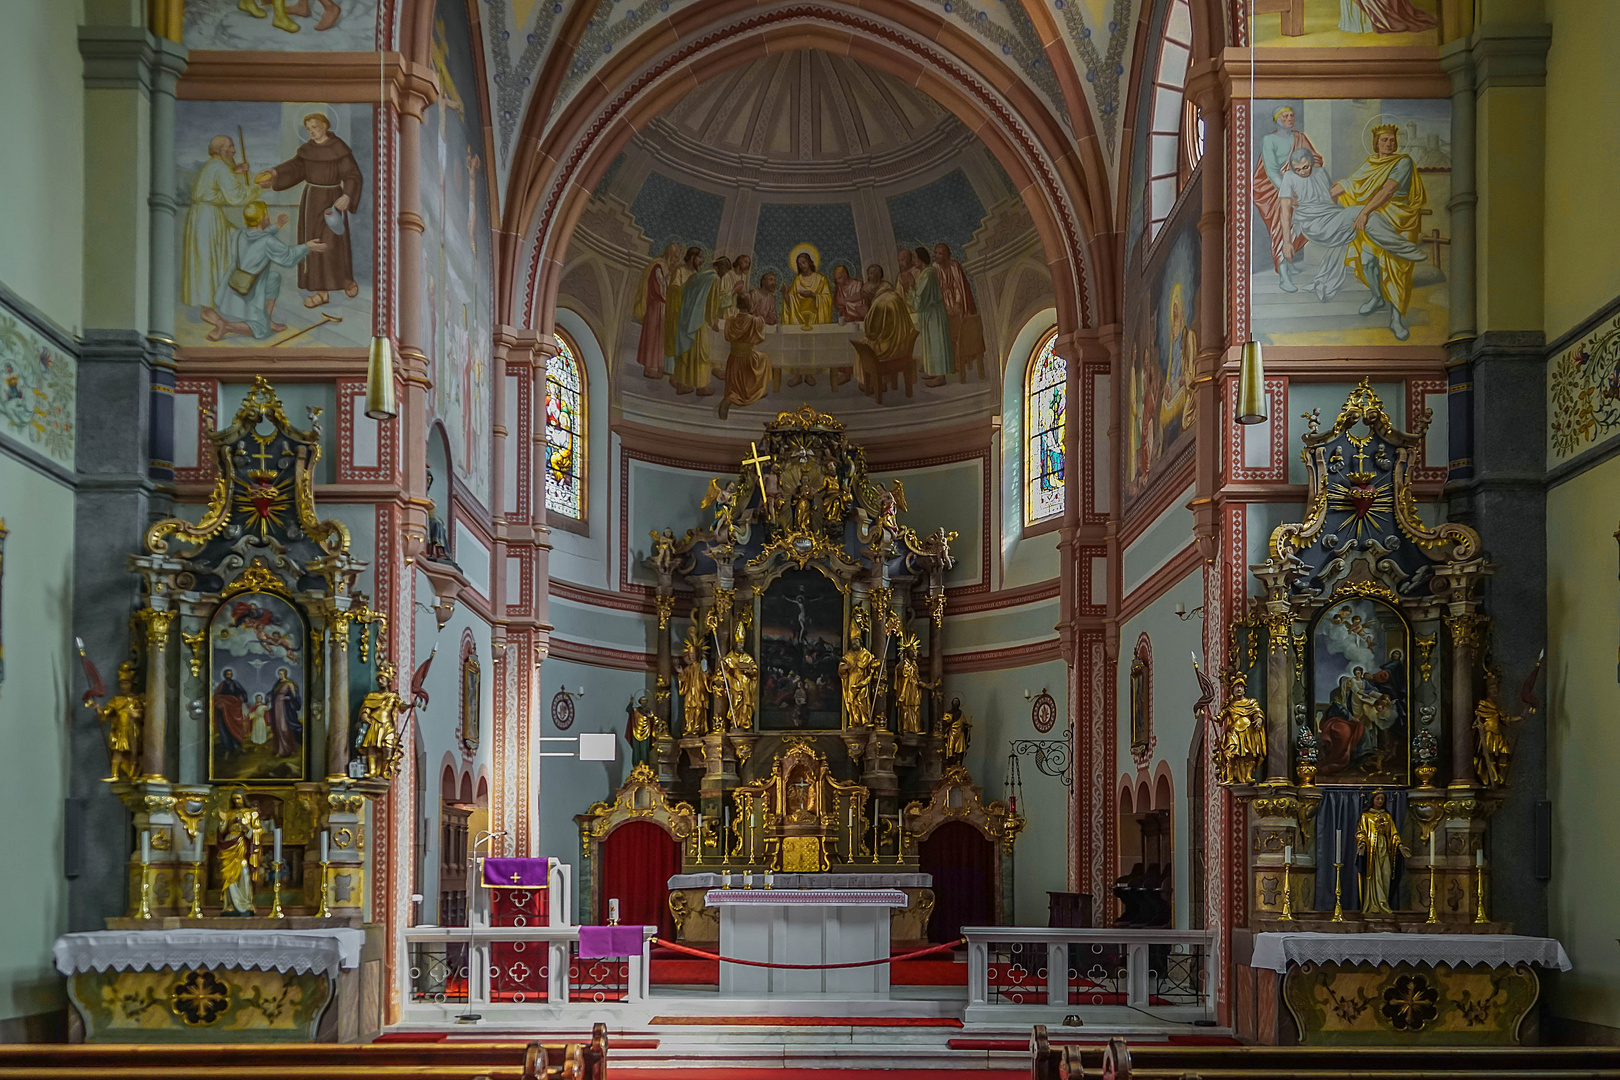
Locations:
697 923
804 926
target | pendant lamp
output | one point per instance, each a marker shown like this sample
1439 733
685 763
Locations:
1251 403
380 404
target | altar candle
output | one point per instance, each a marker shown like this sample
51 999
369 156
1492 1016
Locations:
1288 855
146 846
325 851
276 835
613 911
1431 846
770 879
1338 845
1479 857
748 879
197 849
725 878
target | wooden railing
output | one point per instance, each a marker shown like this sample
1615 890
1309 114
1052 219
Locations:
1120 1061
513 1060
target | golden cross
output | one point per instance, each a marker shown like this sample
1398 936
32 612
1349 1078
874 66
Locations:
264 453
757 461
515 877
1361 459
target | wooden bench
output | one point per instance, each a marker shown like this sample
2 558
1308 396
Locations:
496 1060
1119 1061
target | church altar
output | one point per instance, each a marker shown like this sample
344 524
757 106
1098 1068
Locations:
211 985
804 926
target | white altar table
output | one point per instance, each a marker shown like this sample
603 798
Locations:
1277 951
795 350
804 926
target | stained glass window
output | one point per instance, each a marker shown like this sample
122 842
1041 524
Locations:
565 432
1045 408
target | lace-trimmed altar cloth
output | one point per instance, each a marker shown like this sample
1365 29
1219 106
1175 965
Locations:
325 951
1277 951
831 897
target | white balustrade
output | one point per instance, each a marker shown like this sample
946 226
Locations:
438 978
1032 974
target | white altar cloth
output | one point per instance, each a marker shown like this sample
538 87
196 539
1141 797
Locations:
326 951
808 928
808 881
1277 951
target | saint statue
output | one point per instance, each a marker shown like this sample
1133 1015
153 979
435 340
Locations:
807 298
638 730
958 732
1379 839
122 717
909 687
692 684
856 671
1492 754
238 842
381 712
1243 735
741 674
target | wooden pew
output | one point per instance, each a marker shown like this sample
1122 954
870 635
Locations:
511 1060
1154 1061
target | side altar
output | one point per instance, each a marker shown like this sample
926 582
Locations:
253 728
797 724
1364 732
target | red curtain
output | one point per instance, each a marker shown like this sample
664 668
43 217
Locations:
638 859
961 861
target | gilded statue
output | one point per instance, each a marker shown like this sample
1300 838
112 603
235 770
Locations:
639 729
740 673
239 842
857 670
723 497
121 718
1378 838
958 733
662 559
692 683
1492 753
908 689
1243 735
382 715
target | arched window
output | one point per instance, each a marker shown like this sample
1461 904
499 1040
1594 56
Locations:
565 431
1169 158
1045 408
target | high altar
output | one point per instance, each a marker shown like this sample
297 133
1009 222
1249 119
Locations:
798 727
261 686
1364 732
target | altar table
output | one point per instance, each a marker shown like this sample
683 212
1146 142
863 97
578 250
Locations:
217 985
804 926
1425 989
794 350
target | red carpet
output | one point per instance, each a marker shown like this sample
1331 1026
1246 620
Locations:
806 1021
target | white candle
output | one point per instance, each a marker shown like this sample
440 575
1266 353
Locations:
725 878
146 846
748 879
1288 855
276 834
1479 857
770 879
325 849
613 910
1338 844
1431 846
197 848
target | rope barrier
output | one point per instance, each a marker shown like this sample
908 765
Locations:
809 967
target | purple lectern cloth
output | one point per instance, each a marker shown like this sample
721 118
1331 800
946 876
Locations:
503 873
596 942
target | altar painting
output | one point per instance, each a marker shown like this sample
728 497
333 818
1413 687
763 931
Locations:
257 675
801 638
1360 693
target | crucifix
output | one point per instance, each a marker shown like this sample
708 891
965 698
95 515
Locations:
758 461
1361 458
264 453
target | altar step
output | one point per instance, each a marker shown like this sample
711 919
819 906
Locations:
672 969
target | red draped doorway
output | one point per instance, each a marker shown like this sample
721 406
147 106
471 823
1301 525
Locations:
962 863
638 859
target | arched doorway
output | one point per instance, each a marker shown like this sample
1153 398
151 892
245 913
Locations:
962 862
638 859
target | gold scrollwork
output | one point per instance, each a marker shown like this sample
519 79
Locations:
194 643
258 577
804 419
1467 628
1365 588
343 838
1425 647
665 606
936 608
157 624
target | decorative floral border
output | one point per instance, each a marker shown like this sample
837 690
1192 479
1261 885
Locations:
1583 394
38 385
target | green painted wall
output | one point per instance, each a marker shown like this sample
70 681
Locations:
35 706
42 215
1583 697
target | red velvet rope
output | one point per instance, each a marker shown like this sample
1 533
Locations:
809 967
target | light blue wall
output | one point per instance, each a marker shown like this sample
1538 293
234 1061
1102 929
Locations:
1175 688
949 497
1166 537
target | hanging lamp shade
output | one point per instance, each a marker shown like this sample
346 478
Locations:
380 404
1251 406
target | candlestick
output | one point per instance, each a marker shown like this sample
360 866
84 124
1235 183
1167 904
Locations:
697 839
1287 913
326 889
899 839
877 835
1433 917
144 911
770 879
1338 908
725 877
275 893
748 879
1479 888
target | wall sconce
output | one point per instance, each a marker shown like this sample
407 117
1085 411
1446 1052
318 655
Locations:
1184 615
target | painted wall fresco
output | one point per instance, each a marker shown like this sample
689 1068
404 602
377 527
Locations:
457 304
1314 23
281 25
38 384
1348 223
1161 343
1583 394
274 225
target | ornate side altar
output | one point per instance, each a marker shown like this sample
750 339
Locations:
1362 730
797 724
262 687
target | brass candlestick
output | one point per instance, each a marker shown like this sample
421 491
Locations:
1338 907
196 891
1287 913
1479 894
275 895
1433 917
144 911
325 910
877 835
